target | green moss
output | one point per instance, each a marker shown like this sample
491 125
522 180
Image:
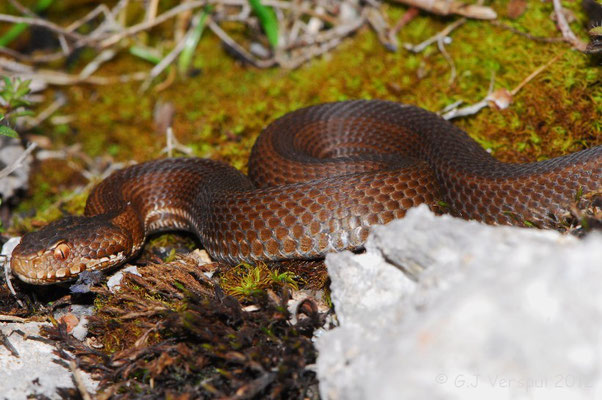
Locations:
246 281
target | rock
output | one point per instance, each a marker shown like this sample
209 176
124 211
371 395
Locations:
5 253
9 246
441 308
76 318
114 281
10 151
33 373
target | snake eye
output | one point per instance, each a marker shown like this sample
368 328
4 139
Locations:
61 251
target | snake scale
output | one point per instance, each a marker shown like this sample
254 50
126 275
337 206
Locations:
319 179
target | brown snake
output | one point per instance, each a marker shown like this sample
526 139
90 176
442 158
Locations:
319 178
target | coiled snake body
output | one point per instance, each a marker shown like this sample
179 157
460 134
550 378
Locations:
319 178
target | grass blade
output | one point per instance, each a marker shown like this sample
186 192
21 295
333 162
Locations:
16 30
192 41
267 18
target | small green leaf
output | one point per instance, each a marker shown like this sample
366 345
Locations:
192 41
8 84
17 29
22 88
268 20
6 131
16 103
5 94
14 32
146 54
442 204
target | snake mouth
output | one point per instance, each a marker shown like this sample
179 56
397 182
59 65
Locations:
46 269
65 248
32 270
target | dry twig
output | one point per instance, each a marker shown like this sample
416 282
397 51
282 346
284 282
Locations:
231 43
452 111
43 23
167 60
11 318
151 23
528 35
5 261
52 77
448 58
60 101
533 74
18 162
449 7
79 381
299 41
172 144
501 98
9 346
565 29
448 29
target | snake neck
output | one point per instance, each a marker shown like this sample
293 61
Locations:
128 221
169 195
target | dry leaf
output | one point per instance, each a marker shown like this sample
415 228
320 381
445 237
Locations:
501 98
516 8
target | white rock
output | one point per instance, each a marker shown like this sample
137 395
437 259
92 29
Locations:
6 252
114 281
9 246
10 151
82 312
34 372
80 331
479 312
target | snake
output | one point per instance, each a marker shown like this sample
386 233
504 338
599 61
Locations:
319 179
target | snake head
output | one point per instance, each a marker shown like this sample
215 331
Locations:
64 248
